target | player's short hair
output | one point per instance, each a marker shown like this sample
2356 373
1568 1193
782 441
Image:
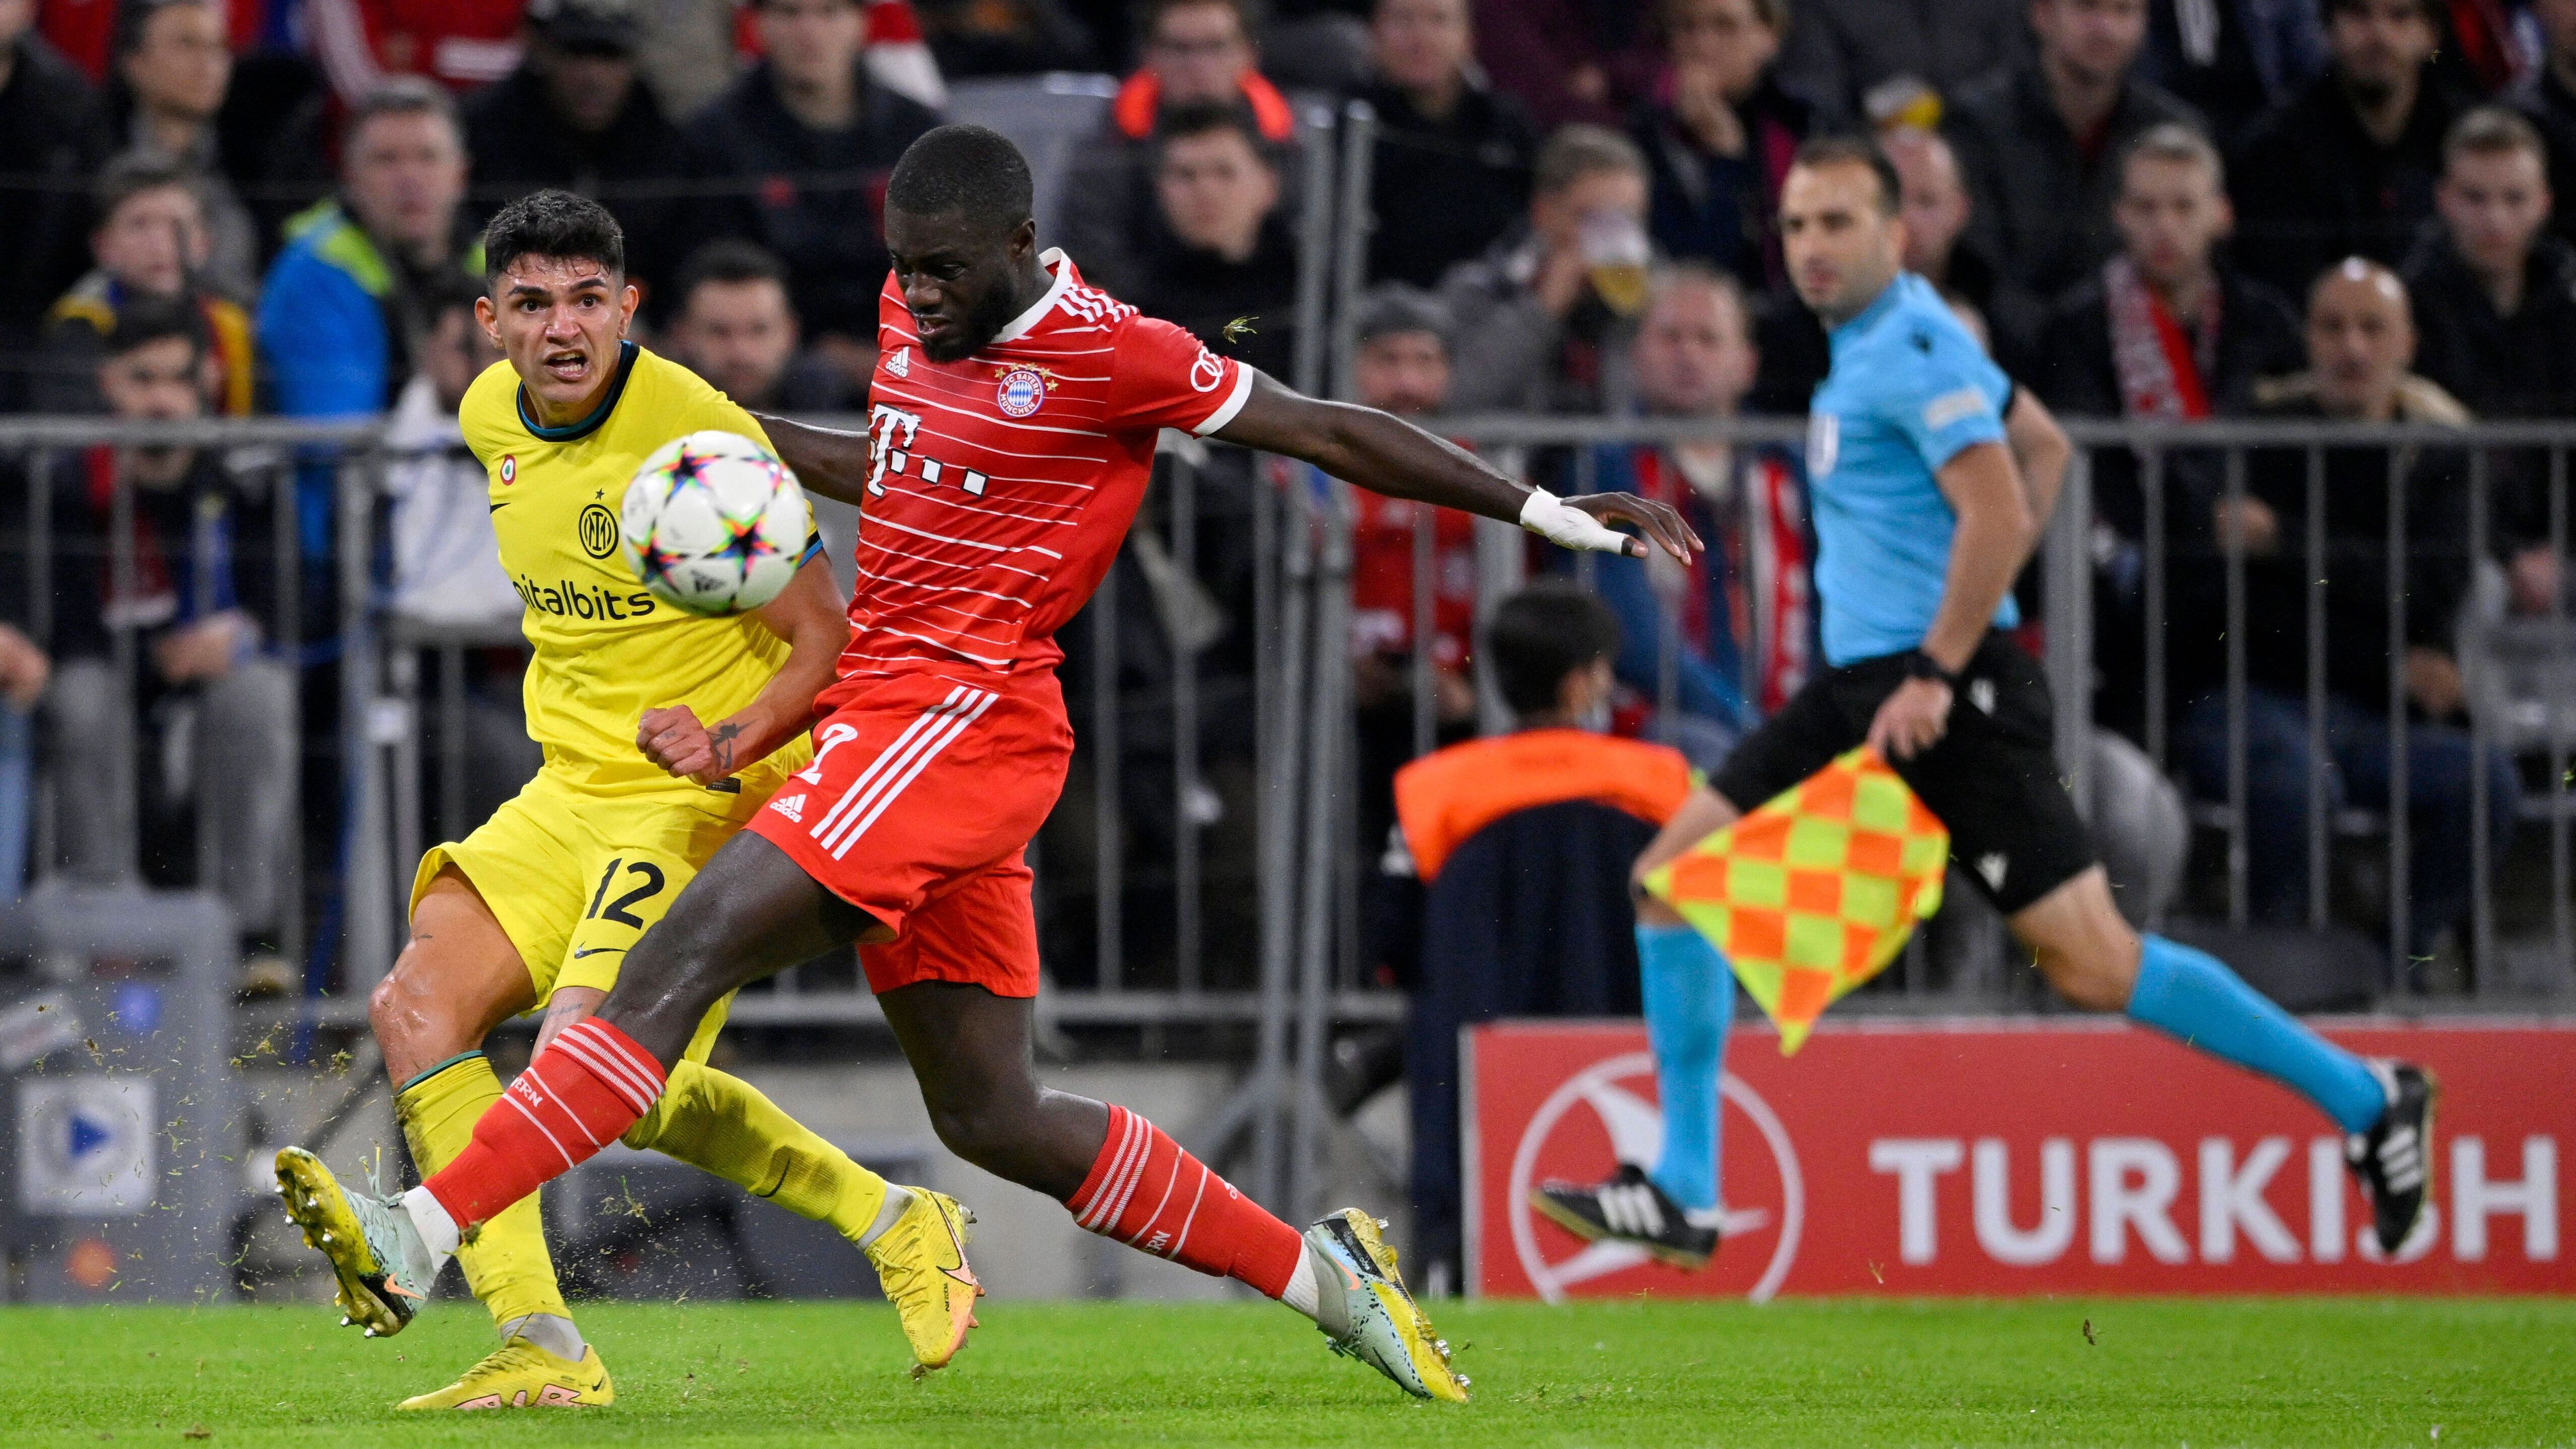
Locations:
965 168
133 174
401 95
553 224
729 261
1542 634
1837 149
1581 150
2492 131
2180 144
142 321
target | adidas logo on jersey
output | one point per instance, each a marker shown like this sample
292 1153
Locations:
900 365
791 806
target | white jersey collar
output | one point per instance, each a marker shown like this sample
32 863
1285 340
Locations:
1054 260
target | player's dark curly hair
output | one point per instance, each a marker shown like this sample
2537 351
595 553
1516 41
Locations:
962 168
1542 634
553 224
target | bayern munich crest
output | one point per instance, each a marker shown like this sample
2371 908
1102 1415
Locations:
1021 392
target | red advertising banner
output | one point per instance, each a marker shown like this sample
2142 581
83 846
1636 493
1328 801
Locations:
1997 1158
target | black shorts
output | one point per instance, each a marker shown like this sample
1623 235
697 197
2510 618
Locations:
1992 779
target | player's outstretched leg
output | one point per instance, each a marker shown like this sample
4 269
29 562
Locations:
2385 1108
1671 1209
457 978
1124 1178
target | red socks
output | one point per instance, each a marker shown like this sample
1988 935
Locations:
581 1093
1146 1192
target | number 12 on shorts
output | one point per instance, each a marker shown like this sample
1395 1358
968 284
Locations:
616 910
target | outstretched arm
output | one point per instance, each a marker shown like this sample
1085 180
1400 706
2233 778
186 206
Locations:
808 616
827 462
1385 454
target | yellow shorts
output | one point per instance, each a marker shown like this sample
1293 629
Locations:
575 875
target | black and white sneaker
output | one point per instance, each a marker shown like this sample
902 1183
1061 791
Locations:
1630 1209
2394 1159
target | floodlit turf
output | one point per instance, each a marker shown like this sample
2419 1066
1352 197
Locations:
2306 1372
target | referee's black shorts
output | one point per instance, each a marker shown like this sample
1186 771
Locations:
1992 779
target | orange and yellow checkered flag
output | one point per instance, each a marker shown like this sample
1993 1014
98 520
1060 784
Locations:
1815 892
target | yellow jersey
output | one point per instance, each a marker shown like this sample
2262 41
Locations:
607 650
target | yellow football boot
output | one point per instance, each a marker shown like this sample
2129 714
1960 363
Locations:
1367 1314
921 1262
520 1375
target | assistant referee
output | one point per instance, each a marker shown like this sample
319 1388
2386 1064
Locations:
1923 518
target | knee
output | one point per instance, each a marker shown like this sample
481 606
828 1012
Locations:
413 1020
2099 975
984 1125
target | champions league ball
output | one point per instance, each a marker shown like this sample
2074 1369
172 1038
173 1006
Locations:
713 524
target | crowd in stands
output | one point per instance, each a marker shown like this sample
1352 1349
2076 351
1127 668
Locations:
2150 209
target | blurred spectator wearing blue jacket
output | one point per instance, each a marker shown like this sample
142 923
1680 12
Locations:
349 300
1730 636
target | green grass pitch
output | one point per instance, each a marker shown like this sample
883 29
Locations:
2206 1373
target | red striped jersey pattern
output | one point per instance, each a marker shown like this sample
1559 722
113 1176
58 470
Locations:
1003 484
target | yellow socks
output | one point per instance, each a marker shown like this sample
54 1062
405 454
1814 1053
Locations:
724 1125
506 1265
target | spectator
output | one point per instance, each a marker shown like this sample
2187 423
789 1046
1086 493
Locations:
1935 205
2549 101
1222 263
345 304
2167 331
1730 637
736 328
2348 168
813 138
150 243
460 44
1840 50
2039 146
446 560
1004 37
1718 135
2495 297
1402 367
24 670
1452 169
205 723
173 65
1197 53
50 146
2232 60
574 115
1567 60
2360 340
1543 316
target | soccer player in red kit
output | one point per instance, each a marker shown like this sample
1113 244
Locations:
1014 413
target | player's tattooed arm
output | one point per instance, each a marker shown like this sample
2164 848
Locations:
809 617
1385 454
827 461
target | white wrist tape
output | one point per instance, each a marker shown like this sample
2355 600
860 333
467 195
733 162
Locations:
1546 515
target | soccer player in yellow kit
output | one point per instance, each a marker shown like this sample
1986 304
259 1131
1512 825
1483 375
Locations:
663 732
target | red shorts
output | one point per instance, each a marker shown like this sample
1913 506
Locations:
923 793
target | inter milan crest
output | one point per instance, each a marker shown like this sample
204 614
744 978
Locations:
1021 392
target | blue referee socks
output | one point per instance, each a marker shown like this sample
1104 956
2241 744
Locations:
2193 996
1690 1003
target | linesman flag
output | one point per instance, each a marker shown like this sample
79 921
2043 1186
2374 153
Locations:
1815 892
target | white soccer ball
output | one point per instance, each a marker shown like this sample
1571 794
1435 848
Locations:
713 523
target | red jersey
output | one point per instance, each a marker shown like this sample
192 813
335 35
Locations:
1003 484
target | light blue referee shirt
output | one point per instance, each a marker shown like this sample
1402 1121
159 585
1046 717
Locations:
1910 389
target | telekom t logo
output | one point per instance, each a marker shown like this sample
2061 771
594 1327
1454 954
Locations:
891 431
